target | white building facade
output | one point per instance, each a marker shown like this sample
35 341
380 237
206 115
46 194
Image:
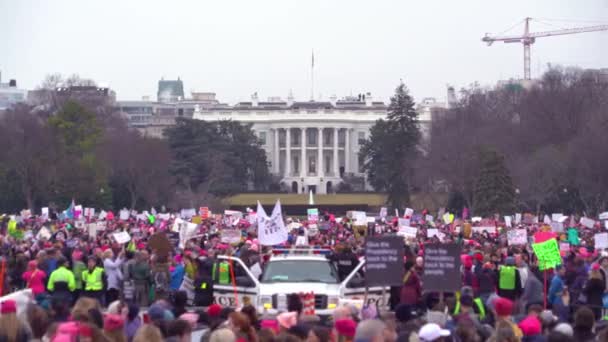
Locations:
311 146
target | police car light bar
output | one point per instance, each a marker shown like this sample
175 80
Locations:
301 251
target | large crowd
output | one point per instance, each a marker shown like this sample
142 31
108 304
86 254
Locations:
82 282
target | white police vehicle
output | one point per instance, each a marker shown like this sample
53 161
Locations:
295 271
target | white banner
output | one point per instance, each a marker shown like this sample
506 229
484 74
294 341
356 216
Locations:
230 236
407 232
604 216
187 231
271 230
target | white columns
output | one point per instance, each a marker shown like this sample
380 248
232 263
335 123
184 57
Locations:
336 164
303 163
276 163
320 170
347 150
287 151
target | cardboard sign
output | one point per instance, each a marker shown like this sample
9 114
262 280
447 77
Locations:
517 237
403 222
231 236
442 268
313 214
45 212
410 232
92 230
548 254
360 218
102 215
603 216
508 221
587 222
384 261
122 237
556 217
601 240
160 244
233 213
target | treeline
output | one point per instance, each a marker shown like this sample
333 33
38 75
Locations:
83 150
540 149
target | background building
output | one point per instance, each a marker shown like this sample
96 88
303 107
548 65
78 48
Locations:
10 94
311 146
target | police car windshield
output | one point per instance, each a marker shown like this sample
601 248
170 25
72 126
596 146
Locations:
308 271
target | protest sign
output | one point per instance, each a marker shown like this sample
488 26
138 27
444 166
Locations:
475 219
92 230
547 253
429 218
508 221
45 212
271 230
204 212
408 213
187 213
371 220
587 222
556 217
517 237
230 236
196 220
102 215
383 212
43 233
384 261
187 231
79 224
123 215
442 268
448 218
601 240
517 218
606 224
160 244
557 227
360 218
604 216
546 219
122 237
410 232
313 214
164 216
233 213
564 247
403 222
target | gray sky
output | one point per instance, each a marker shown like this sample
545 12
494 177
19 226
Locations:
235 48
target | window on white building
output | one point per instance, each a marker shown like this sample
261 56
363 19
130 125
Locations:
262 136
327 138
296 165
327 164
312 164
311 137
361 138
361 165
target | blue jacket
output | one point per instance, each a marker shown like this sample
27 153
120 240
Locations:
177 276
555 290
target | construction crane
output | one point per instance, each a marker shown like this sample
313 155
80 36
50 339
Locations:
528 38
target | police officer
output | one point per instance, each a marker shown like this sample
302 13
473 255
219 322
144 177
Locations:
62 279
203 284
509 281
93 279
346 261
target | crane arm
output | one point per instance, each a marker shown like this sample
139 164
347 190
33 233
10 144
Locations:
517 38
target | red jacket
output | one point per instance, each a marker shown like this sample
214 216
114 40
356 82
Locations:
411 291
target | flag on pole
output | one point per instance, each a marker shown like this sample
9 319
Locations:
312 60
69 212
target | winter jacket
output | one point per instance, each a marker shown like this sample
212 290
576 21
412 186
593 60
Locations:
533 291
35 280
594 289
113 273
411 291
177 276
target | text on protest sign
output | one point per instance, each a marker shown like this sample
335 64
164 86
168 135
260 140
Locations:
384 261
601 240
230 236
587 222
442 268
517 237
548 254
122 237
313 214
407 232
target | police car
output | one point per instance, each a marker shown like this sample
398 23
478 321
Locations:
297 271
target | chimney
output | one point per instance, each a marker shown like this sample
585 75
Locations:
452 101
368 99
254 99
290 99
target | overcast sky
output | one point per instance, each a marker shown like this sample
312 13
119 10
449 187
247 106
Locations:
235 48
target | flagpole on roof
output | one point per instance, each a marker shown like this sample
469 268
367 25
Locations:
312 76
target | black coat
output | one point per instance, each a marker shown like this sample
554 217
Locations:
594 289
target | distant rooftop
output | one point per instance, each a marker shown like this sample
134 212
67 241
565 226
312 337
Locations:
170 90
